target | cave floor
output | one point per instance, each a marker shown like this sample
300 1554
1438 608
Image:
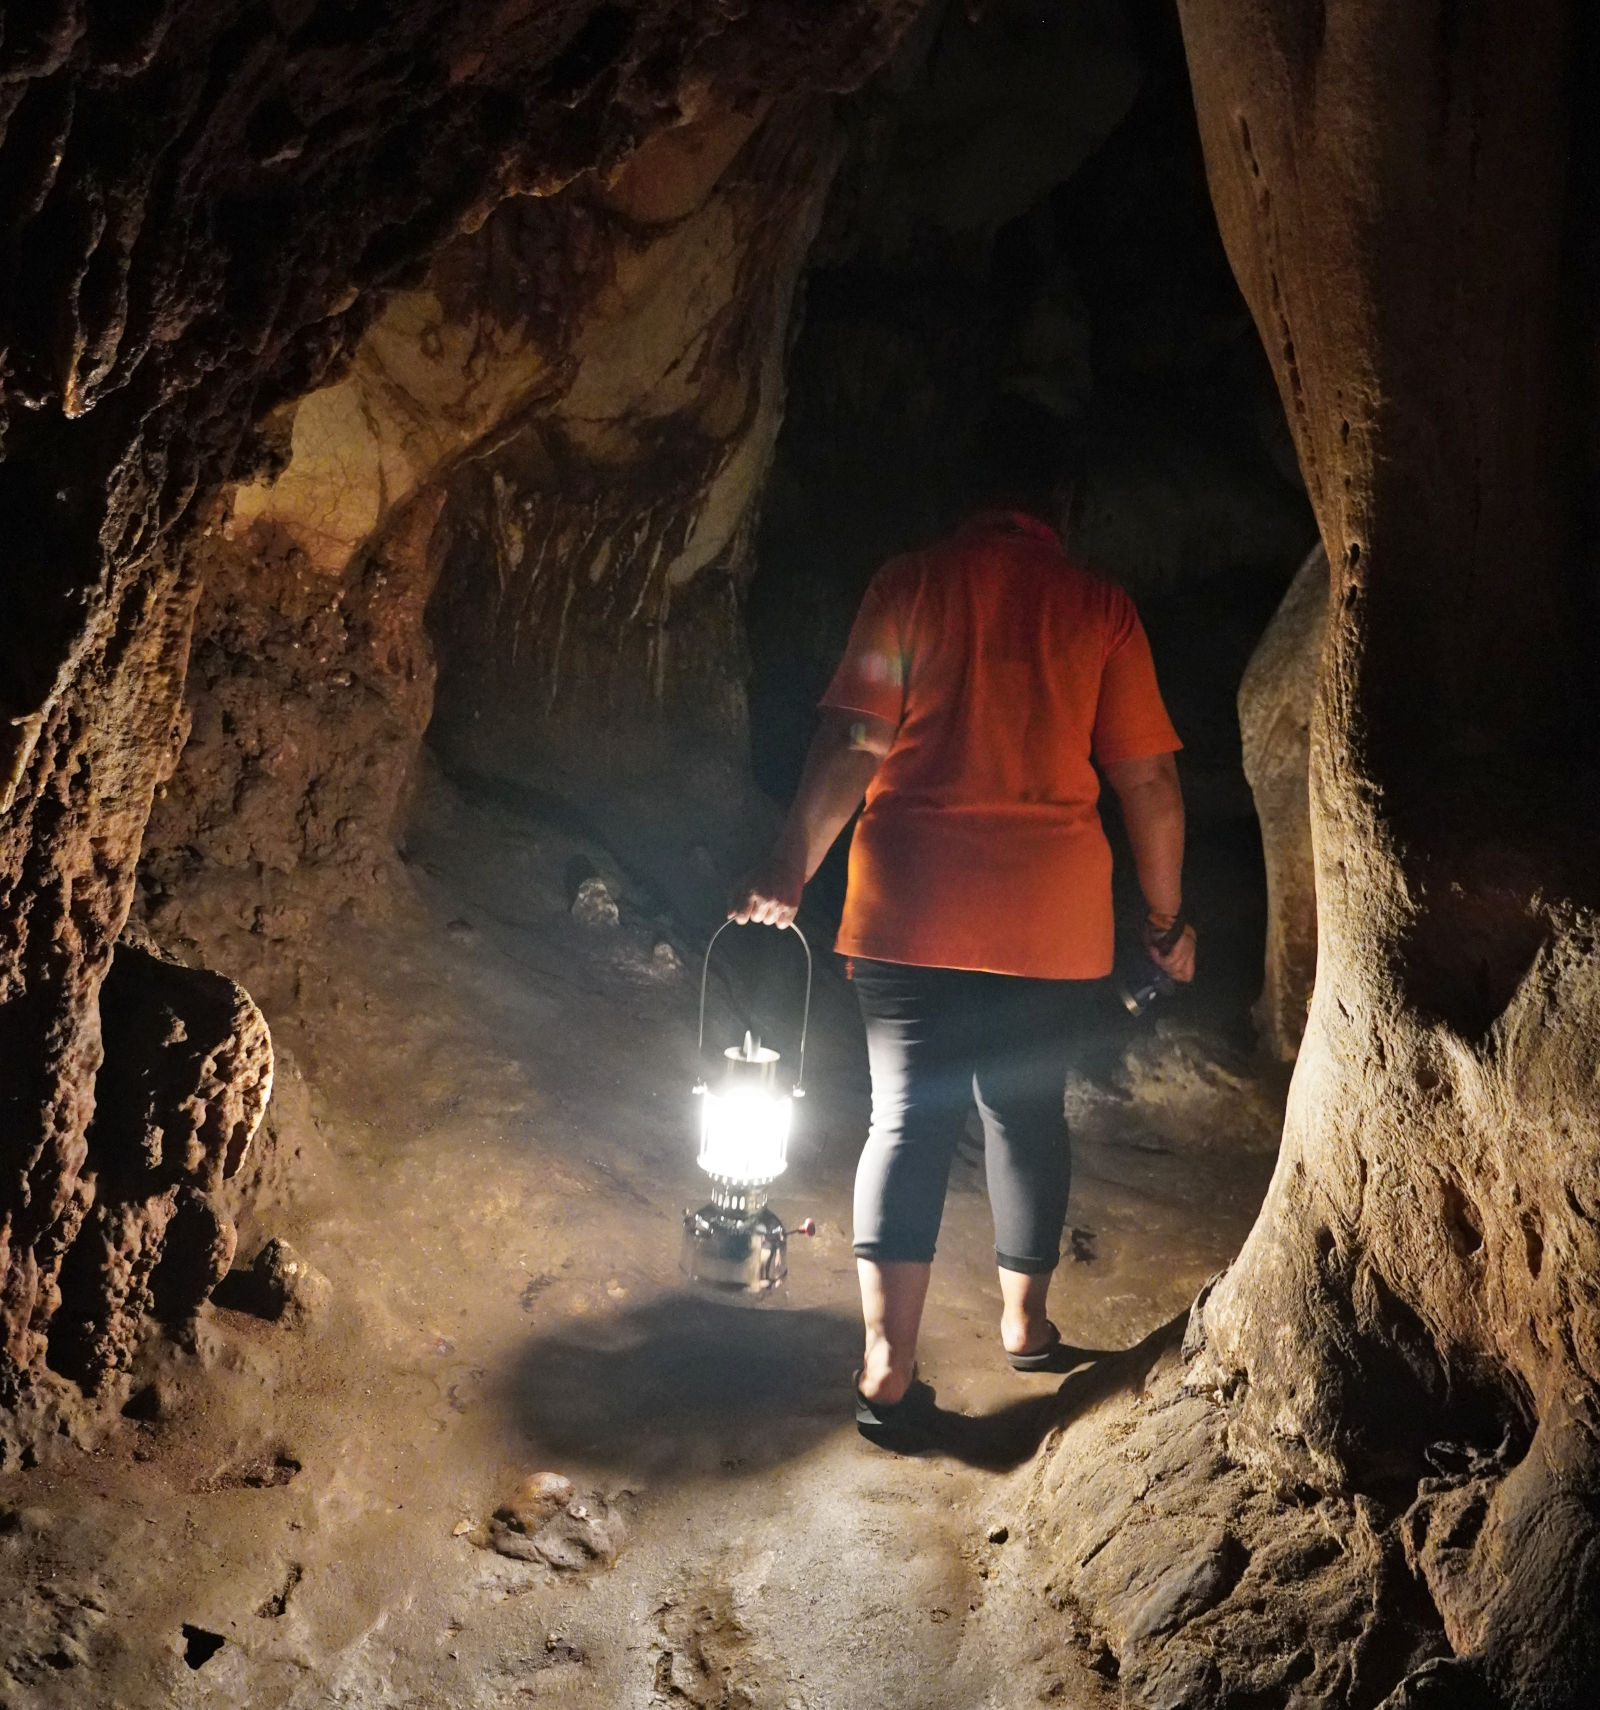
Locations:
490 1106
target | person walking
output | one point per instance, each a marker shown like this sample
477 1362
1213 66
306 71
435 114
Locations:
984 680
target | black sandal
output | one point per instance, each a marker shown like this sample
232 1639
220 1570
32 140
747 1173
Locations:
895 1421
1054 1356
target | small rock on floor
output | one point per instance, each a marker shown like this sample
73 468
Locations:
595 904
537 1499
279 1284
585 1533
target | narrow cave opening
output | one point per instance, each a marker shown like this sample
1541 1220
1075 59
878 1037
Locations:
1105 294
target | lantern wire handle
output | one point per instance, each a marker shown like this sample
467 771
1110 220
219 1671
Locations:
805 1017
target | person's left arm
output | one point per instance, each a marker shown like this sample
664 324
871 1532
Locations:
861 712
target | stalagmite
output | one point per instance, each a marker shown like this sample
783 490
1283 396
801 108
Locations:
186 1078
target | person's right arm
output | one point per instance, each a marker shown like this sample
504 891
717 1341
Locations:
842 761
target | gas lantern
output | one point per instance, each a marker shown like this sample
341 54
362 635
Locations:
736 1241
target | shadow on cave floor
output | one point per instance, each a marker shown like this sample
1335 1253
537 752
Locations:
683 1382
1002 1440
686 1384
482 1137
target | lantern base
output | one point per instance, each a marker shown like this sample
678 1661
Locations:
741 1253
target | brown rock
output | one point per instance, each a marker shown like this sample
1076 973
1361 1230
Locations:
1275 701
288 1287
596 905
586 1531
537 1498
278 1285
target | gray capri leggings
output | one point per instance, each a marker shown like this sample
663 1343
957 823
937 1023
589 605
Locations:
938 1039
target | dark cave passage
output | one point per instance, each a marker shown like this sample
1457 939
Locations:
1107 297
926 293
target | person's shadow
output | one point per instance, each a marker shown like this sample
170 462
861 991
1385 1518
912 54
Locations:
690 1384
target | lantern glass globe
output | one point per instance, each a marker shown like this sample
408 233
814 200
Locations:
744 1135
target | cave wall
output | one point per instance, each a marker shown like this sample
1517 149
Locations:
1423 1270
553 445
204 209
587 610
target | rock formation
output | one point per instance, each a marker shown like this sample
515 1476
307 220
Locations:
587 609
205 207
1275 718
1406 1348
186 1076
558 439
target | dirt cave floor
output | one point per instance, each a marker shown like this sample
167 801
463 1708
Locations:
482 1138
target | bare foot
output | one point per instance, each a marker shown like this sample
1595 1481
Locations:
879 1382
1026 1335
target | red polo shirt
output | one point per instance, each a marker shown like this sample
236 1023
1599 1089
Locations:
1005 666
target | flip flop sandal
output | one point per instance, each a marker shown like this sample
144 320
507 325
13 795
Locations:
1054 1356
888 1421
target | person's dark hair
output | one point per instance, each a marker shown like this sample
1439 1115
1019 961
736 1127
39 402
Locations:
1021 456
